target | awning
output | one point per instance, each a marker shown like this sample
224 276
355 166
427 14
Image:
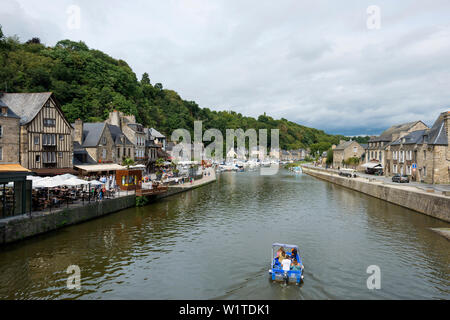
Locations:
13 168
54 171
100 167
373 165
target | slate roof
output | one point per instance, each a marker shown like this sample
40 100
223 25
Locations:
344 145
92 132
434 136
136 127
415 137
437 134
155 133
116 134
25 105
387 134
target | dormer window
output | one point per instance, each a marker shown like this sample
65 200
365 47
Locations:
4 111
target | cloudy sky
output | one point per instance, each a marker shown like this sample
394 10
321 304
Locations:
313 62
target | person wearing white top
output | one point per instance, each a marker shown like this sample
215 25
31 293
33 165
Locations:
286 264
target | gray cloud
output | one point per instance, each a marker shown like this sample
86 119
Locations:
315 63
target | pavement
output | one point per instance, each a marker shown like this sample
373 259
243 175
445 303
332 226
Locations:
439 188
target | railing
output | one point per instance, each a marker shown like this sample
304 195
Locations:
149 192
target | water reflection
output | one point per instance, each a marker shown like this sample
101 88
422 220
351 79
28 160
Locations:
214 242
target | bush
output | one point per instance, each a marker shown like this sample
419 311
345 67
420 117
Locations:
141 201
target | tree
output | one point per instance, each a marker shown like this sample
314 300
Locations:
145 78
330 156
128 162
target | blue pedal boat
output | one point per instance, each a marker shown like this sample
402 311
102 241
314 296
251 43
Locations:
276 270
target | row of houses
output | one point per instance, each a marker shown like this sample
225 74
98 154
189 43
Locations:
35 133
293 155
411 149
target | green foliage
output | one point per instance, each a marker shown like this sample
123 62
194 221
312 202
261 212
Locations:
351 161
89 84
141 201
330 156
128 162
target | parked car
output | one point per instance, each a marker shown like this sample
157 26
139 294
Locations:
347 173
400 178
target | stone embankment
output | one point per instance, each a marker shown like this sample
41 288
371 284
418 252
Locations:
21 227
434 205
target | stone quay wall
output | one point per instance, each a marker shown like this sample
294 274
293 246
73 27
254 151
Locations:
21 227
434 205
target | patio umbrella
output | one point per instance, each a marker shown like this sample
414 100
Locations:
74 182
95 182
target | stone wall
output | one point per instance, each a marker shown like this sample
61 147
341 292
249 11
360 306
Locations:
9 140
430 204
22 227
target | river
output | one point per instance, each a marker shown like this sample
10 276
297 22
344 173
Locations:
214 242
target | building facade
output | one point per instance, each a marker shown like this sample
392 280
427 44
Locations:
424 155
9 135
378 148
346 150
45 134
133 131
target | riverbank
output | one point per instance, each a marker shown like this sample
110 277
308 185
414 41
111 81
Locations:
434 205
25 226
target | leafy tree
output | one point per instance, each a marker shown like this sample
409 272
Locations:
89 84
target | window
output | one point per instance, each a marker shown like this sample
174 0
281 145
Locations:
118 152
408 170
1 153
1 131
36 139
61 137
47 104
103 140
49 139
104 153
37 158
424 154
49 122
60 154
424 171
395 168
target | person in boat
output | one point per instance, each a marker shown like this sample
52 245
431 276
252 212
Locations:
296 266
281 253
286 263
294 254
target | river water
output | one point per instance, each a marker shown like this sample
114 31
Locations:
214 242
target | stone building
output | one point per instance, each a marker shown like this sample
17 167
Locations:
123 146
9 135
133 131
45 134
285 155
97 140
424 154
346 150
379 146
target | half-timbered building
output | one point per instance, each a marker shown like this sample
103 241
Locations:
45 134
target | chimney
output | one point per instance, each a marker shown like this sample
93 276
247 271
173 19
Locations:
341 141
447 130
114 118
78 133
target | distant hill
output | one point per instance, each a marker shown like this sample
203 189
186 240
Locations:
88 83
